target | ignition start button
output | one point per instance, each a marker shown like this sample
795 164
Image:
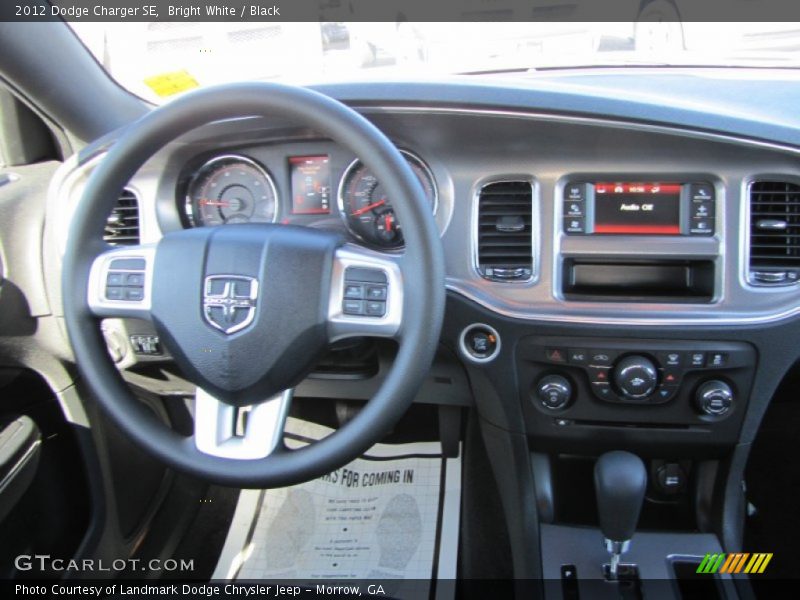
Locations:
480 343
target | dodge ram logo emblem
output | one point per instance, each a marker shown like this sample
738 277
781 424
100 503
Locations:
229 302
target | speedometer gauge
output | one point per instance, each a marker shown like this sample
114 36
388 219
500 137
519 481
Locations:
366 209
231 189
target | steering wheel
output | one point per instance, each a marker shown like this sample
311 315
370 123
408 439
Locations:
245 310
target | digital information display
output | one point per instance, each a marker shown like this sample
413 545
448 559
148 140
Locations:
637 208
311 185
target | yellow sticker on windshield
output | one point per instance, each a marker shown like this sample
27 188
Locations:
168 84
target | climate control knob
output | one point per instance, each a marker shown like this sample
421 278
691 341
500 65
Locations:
636 377
554 392
714 398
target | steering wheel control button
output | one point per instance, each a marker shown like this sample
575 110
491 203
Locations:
353 291
375 309
480 343
365 292
376 292
554 392
353 307
636 377
125 285
714 398
115 279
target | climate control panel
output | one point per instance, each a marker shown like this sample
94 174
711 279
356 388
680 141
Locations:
679 388
644 373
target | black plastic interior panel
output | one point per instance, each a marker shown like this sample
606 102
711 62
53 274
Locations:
642 281
20 444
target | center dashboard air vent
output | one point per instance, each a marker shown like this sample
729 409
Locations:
122 225
774 233
505 245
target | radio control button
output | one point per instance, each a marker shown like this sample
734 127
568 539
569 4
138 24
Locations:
575 191
573 208
702 226
702 192
702 210
574 224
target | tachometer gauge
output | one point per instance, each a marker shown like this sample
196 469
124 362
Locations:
366 208
231 189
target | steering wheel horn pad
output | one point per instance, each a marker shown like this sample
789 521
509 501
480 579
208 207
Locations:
243 308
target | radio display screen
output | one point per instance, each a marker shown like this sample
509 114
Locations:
637 208
311 185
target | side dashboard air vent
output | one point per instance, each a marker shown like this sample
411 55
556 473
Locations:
122 225
774 233
505 249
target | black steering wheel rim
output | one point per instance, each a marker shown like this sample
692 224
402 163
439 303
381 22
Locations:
422 268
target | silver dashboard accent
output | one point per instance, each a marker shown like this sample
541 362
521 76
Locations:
341 325
410 157
216 424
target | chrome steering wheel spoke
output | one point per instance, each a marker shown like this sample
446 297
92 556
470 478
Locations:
241 433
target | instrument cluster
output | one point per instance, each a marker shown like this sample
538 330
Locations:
228 189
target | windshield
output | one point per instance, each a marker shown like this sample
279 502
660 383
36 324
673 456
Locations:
160 60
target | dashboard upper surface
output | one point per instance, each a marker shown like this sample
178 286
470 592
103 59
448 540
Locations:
540 130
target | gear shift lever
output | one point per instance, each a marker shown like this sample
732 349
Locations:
620 480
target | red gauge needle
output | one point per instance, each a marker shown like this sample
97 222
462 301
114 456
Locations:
364 209
387 221
213 203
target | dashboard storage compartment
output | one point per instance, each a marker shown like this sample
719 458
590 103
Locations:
639 281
